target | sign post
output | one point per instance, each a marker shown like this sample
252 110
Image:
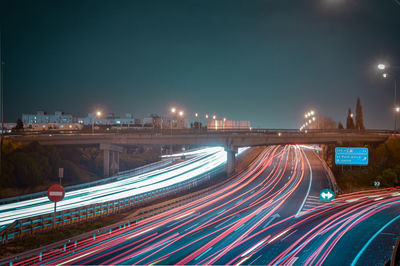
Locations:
55 193
60 173
351 156
326 195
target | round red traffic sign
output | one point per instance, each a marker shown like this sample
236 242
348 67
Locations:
55 193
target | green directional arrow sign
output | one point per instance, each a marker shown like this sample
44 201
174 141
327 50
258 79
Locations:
326 195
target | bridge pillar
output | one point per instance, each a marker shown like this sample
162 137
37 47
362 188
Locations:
231 160
111 158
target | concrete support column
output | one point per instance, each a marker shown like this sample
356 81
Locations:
114 163
231 160
111 158
106 163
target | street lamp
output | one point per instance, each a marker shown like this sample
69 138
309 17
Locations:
386 75
98 114
214 117
173 111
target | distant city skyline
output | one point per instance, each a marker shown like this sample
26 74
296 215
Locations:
264 61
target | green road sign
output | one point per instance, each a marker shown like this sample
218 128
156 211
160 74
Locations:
326 195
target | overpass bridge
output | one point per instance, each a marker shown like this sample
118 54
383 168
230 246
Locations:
112 143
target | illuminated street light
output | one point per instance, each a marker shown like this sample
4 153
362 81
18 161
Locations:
196 114
305 116
391 72
207 116
313 118
173 110
397 109
180 113
312 112
351 115
309 121
224 119
214 117
98 114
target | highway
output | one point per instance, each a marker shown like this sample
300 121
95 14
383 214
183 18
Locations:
210 230
267 215
200 161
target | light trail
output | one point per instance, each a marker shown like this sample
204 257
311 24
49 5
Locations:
233 224
207 160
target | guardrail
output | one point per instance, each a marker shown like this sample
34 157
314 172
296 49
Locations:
27 226
332 180
121 175
202 131
142 213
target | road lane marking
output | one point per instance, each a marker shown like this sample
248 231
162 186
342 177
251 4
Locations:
81 256
145 231
309 185
371 239
191 227
278 236
289 235
203 253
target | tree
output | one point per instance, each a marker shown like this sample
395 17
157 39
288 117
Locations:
350 121
20 125
324 123
359 116
340 125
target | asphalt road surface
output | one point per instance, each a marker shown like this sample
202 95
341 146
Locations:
268 215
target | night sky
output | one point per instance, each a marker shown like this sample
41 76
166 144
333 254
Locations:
265 61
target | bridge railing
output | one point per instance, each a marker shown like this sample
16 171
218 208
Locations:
27 226
120 176
202 131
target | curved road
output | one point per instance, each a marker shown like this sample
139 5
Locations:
268 215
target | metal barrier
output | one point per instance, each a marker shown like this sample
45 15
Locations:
332 180
121 175
202 131
27 226
139 214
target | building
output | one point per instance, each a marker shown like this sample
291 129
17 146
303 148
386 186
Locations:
8 127
52 126
109 119
44 117
165 122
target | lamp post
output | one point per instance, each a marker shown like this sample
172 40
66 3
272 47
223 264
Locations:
2 106
310 117
196 124
181 113
98 114
387 70
173 111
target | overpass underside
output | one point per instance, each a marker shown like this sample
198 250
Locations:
112 144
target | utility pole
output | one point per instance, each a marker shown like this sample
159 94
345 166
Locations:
395 105
2 105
